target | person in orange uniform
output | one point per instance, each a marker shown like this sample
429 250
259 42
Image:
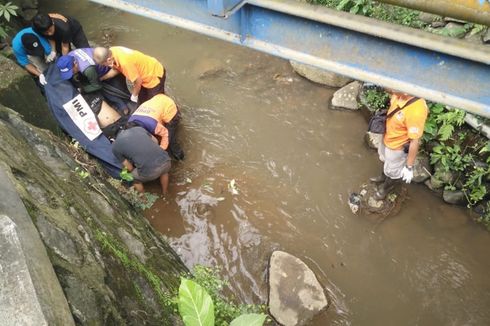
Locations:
146 73
400 144
160 116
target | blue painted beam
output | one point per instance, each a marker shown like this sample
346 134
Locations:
446 70
222 7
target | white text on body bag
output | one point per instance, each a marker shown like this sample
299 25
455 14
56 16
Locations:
80 112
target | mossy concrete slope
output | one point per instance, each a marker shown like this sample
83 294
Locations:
114 269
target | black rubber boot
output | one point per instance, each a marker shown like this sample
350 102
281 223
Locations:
385 188
378 179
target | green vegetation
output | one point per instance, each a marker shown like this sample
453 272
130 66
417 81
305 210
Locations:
225 309
116 250
136 199
381 11
397 15
459 151
197 308
126 175
200 301
82 174
375 98
7 10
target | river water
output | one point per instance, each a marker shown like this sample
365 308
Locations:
248 119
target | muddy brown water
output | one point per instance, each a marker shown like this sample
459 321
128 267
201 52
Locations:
248 117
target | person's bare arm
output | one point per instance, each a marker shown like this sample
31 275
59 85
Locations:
53 45
111 73
65 48
137 86
412 152
32 69
58 16
128 165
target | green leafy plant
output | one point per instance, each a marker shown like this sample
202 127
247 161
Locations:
448 121
82 174
474 188
442 122
195 305
249 320
7 10
225 309
126 175
380 11
363 7
376 99
450 157
197 309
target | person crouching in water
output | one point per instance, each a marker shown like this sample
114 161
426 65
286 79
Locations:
400 144
136 149
160 116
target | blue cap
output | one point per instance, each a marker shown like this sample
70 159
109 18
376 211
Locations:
65 65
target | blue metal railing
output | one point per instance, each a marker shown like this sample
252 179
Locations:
439 69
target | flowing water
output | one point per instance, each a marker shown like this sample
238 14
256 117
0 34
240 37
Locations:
249 119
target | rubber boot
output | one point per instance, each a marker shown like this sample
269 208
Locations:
378 179
385 188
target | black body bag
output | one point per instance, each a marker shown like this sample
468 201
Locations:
377 123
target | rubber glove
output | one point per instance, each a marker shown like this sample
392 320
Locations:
42 80
51 56
134 98
407 174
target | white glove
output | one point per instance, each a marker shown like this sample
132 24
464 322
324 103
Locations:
134 98
42 80
51 56
407 174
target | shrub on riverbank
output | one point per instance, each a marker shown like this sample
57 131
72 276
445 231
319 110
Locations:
407 17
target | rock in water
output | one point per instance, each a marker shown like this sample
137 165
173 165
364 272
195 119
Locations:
346 97
320 76
295 295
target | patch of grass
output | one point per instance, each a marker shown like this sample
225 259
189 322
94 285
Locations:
380 11
115 249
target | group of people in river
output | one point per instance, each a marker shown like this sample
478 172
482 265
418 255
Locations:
143 134
141 124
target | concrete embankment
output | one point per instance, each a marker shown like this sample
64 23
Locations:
72 249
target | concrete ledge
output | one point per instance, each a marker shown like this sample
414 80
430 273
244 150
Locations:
30 293
18 301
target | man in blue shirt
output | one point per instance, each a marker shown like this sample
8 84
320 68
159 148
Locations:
32 52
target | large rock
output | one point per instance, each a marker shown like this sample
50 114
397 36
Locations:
455 197
421 169
112 266
320 76
19 92
428 18
295 295
346 97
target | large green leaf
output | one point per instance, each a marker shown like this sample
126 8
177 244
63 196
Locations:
195 305
249 320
